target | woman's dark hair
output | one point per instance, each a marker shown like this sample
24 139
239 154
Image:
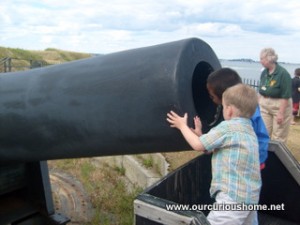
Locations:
222 79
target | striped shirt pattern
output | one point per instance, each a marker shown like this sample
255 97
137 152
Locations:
235 160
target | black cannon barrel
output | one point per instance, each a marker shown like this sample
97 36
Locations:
113 104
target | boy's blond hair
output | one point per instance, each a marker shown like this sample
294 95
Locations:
243 97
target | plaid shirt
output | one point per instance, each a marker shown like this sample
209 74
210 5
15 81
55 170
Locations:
235 160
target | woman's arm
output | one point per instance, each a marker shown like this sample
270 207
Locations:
282 108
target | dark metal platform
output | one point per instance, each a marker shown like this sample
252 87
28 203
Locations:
190 185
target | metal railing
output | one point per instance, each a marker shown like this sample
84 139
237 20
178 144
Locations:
253 83
5 64
8 64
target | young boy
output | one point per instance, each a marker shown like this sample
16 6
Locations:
217 82
235 161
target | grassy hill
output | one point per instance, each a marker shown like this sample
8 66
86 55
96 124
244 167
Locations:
21 58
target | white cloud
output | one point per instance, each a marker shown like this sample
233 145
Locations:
234 29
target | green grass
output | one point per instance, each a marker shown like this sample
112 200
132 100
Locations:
120 170
21 58
24 54
148 162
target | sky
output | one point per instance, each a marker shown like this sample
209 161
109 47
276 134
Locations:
234 29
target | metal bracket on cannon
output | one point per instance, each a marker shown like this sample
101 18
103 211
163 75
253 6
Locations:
25 195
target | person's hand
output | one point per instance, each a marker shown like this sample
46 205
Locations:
177 121
198 126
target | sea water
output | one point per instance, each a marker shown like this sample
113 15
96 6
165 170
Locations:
252 70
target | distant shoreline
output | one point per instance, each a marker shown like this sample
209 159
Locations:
253 61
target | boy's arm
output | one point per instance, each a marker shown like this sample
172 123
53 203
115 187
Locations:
180 123
262 135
